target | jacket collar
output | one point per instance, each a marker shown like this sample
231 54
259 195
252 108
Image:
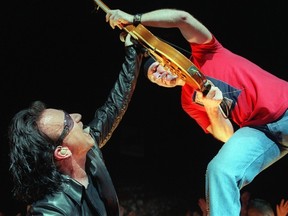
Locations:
73 189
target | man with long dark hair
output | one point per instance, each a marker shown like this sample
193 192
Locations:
56 162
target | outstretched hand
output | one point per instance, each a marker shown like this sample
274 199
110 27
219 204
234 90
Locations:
203 206
282 208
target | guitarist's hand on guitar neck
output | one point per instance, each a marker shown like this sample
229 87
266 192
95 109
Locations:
118 18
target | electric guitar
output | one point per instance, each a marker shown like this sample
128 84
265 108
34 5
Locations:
169 58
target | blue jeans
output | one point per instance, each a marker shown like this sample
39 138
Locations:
248 152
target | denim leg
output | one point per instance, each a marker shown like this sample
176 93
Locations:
240 159
279 129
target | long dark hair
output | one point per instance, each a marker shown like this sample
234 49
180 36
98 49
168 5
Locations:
32 167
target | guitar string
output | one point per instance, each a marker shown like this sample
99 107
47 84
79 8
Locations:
188 52
96 9
178 47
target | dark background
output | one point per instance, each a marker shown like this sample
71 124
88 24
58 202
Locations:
64 54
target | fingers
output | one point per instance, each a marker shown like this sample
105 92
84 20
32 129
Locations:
214 94
118 18
115 18
128 41
113 21
212 99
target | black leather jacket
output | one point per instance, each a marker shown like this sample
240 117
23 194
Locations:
70 200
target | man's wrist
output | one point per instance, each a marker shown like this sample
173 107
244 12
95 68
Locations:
137 19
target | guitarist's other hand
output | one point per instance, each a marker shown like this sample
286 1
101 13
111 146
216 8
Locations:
213 98
118 18
128 41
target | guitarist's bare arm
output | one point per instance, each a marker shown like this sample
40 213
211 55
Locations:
221 128
192 30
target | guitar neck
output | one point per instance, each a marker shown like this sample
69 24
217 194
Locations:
103 6
163 53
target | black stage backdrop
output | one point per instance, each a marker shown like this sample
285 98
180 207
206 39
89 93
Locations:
63 53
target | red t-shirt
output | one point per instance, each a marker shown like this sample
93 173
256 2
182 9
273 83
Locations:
258 97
